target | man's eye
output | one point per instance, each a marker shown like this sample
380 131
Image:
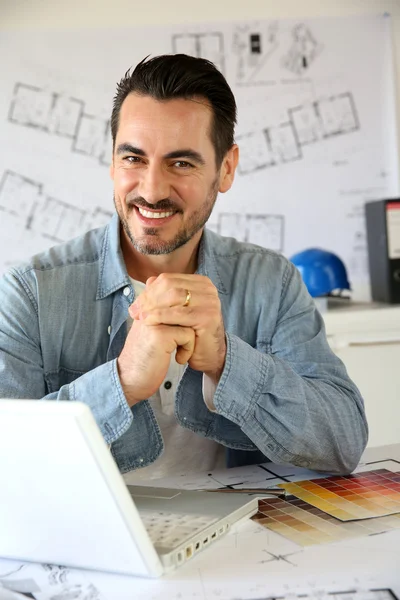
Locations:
132 159
182 164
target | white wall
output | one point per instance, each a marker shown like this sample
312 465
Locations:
58 14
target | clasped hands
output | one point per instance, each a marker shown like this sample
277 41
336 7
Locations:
175 312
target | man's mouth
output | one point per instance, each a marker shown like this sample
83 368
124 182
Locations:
152 214
155 218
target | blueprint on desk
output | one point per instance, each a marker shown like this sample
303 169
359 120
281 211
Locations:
249 563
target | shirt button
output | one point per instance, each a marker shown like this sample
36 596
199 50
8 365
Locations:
168 385
109 330
126 291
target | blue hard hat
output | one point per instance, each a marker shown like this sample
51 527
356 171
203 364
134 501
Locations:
322 271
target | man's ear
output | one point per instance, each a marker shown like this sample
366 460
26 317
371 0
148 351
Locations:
228 168
112 169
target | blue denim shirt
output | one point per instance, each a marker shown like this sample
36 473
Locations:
283 394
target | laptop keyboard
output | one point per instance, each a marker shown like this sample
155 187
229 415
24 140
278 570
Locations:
168 529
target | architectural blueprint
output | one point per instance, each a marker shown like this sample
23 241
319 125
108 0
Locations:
250 563
35 211
316 130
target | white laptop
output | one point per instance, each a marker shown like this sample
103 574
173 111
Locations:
63 500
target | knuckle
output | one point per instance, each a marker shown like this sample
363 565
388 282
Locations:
175 296
215 302
212 310
205 279
190 311
163 278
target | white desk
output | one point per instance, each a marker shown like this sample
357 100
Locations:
250 562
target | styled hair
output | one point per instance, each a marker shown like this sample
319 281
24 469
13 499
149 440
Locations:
172 76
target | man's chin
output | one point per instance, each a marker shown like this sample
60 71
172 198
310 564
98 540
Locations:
156 246
151 249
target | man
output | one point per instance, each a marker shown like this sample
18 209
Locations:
184 344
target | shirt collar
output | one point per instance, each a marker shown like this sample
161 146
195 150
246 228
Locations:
207 264
113 273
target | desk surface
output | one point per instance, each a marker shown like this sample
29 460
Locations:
250 562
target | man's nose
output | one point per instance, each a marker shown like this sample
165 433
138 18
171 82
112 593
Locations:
154 184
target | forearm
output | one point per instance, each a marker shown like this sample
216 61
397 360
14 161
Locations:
99 388
315 420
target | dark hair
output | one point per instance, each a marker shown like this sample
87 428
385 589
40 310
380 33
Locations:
172 76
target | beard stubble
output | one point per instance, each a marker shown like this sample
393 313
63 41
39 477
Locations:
156 245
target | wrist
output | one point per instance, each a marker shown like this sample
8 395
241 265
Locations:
127 388
215 374
218 367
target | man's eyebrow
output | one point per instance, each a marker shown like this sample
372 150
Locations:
186 153
183 153
127 148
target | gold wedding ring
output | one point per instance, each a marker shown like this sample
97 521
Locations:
188 296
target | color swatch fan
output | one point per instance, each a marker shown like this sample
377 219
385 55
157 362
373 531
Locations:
331 509
351 497
307 525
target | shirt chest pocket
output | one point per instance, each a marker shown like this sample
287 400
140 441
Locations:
56 379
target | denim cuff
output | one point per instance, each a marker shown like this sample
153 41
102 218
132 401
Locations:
101 390
242 380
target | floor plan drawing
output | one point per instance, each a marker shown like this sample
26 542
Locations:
303 51
284 143
54 114
47 111
47 582
377 594
19 196
253 45
40 213
56 220
264 230
31 107
256 152
64 117
209 45
325 118
307 124
316 121
338 115
92 137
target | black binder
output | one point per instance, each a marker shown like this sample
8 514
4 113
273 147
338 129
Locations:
383 235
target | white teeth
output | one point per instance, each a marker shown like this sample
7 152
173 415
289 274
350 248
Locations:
154 215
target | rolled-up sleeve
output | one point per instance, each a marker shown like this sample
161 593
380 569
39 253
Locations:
22 373
293 398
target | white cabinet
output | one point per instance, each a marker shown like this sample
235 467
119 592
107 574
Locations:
367 339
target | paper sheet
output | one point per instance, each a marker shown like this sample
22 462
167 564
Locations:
316 129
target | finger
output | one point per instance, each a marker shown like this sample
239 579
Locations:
150 280
185 340
136 310
171 289
184 316
136 307
183 355
171 298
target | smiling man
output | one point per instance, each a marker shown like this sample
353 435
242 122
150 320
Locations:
192 350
